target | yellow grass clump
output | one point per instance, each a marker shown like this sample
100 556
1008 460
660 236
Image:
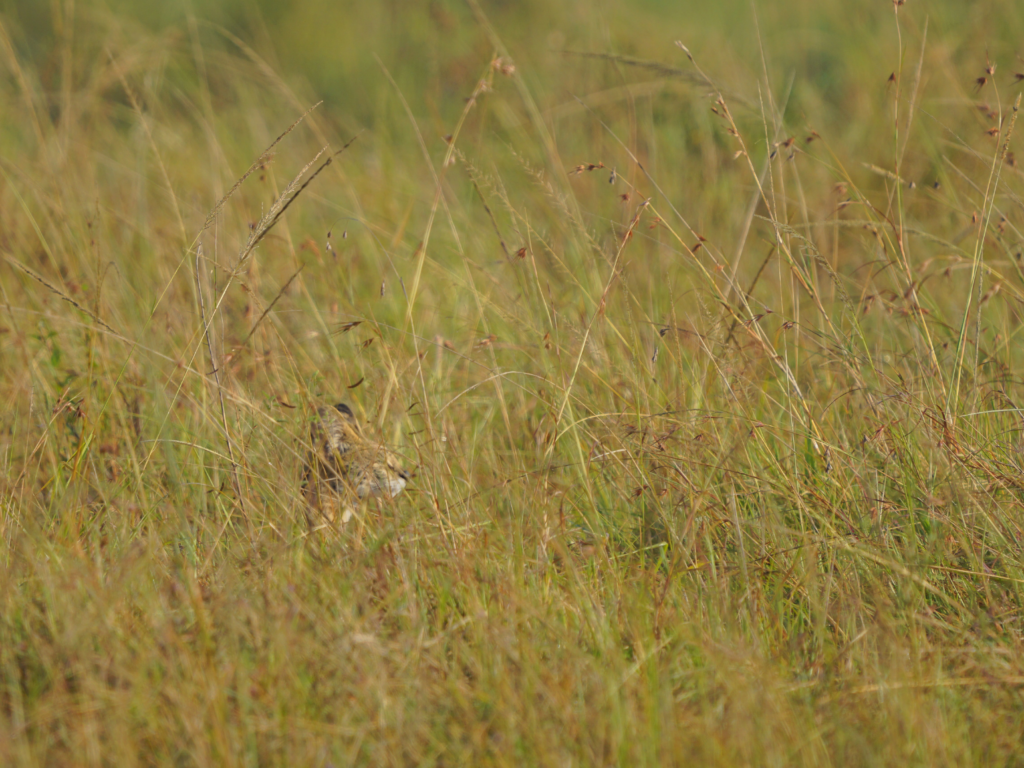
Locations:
706 378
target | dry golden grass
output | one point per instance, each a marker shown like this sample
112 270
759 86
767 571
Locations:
712 407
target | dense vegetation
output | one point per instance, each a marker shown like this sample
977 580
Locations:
704 356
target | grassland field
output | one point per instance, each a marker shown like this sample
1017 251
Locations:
698 326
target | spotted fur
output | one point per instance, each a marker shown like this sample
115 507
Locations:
342 463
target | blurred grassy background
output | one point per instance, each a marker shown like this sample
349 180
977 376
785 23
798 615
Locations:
716 455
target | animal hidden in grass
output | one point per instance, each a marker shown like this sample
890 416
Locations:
342 467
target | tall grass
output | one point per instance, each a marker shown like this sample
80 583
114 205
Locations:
709 381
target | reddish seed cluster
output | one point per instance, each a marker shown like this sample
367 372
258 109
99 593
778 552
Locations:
586 167
504 66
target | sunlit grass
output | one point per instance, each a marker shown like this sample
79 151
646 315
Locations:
711 405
